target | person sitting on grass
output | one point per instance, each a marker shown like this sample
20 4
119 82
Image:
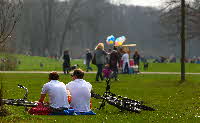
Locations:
80 92
107 72
57 93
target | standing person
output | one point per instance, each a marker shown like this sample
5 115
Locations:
57 93
80 92
88 60
100 55
108 56
136 58
126 65
114 60
66 63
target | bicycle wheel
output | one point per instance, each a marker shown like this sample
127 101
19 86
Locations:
19 102
122 105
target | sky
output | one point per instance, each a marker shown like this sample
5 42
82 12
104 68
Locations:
153 3
140 2
137 2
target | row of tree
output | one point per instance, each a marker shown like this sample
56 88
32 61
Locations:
48 27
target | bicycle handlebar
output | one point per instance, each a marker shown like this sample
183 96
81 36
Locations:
26 91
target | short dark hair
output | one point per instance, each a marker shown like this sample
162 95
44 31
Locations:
78 73
53 75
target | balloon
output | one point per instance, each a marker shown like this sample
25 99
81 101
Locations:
123 38
107 42
111 42
110 38
120 43
116 43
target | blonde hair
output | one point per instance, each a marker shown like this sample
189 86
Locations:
100 46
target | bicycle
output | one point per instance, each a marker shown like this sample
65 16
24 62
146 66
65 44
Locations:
20 102
122 103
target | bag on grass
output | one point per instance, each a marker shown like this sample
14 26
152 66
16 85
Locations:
94 59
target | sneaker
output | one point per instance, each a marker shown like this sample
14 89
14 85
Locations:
116 79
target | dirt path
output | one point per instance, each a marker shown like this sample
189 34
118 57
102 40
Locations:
94 72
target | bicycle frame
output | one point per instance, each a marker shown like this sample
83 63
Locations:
122 103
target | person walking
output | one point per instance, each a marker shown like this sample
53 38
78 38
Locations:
88 60
114 60
136 58
100 55
66 63
126 64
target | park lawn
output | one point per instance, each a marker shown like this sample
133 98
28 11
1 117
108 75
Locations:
32 63
173 101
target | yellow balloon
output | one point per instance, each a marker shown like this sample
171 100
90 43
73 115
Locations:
120 43
111 42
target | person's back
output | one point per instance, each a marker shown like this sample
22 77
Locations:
56 91
80 91
100 56
114 58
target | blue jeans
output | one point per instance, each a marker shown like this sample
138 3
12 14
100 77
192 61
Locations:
99 72
126 68
88 66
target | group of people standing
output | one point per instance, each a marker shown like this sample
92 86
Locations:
113 60
100 57
103 59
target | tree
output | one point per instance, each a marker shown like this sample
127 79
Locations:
10 12
173 5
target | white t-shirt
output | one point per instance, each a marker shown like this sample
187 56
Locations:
125 58
80 92
57 94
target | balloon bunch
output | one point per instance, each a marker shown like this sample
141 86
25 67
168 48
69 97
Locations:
117 42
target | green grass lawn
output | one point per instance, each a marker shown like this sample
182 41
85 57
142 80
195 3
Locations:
32 63
174 102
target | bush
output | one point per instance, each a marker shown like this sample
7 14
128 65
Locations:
8 62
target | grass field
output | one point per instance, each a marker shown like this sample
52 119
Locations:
32 63
174 102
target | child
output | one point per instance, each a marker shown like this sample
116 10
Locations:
107 71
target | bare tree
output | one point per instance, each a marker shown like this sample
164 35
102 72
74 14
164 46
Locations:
180 14
70 19
9 16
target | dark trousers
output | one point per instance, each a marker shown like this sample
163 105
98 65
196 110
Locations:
126 68
99 72
88 66
66 68
115 72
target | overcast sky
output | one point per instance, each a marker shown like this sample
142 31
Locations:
140 2
154 3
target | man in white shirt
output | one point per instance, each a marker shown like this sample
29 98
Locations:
57 92
80 92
